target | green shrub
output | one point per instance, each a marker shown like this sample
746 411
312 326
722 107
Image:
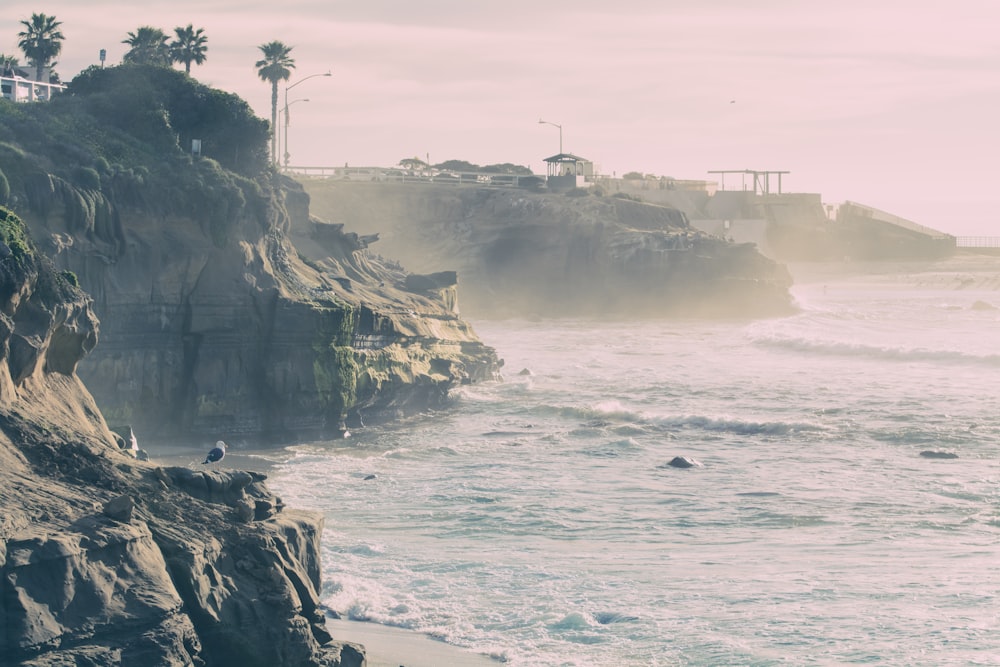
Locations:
88 178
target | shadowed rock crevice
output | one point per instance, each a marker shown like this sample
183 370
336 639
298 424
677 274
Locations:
107 560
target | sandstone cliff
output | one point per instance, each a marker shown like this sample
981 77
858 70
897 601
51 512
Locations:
521 253
106 560
214 325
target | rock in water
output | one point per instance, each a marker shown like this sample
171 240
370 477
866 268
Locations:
934 454
683 462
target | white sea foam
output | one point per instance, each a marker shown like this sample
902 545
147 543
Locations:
879 352
536 519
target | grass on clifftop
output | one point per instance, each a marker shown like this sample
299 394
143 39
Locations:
122 136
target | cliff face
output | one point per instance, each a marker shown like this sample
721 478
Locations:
214 325
521 253
248 340
108 560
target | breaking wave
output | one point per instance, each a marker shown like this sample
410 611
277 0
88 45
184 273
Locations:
875 352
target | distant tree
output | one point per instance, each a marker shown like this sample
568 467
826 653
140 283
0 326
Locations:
413 163
149 47
457 165
633 176
41 40
507 168
189 46
275 66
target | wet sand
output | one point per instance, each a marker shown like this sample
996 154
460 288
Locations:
386 646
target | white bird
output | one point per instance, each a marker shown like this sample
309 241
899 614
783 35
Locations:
216 454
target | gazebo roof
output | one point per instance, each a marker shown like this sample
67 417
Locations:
566 157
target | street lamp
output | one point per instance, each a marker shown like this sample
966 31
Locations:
285 110
287 88
545 122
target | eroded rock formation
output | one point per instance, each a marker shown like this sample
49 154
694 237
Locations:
520 253
106 560
214 325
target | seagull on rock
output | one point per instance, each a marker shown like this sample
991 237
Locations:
216 454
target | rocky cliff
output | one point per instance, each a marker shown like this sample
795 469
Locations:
106 560
214 325
521 253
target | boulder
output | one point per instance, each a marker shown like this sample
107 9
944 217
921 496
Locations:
107 560
683 462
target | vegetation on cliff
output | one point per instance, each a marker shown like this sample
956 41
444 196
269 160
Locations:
213 322
121 137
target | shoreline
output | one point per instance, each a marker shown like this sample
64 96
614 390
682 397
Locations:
961 271
388 646
385 645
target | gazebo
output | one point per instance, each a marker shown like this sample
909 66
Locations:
565 171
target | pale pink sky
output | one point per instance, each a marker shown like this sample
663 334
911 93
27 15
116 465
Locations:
890 103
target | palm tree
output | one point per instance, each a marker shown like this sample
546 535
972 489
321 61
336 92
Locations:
189 46
149 47
274 67
41 41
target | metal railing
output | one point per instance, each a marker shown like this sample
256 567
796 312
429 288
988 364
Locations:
977 241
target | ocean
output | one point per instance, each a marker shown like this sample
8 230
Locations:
537 520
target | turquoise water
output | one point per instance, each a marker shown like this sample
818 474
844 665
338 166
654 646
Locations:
537 521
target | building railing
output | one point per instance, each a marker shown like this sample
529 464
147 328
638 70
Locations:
400 175
18 89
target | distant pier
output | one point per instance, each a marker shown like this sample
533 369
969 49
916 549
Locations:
977 241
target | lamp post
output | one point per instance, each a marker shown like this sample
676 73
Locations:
545 122
285 111
287 88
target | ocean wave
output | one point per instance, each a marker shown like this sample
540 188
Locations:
601 415
879 352
613 449
737 426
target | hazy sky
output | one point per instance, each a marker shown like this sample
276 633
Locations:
890 103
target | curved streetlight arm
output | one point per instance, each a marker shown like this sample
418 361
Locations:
545 122
287 88
303 80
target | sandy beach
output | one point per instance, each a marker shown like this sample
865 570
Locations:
386 646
